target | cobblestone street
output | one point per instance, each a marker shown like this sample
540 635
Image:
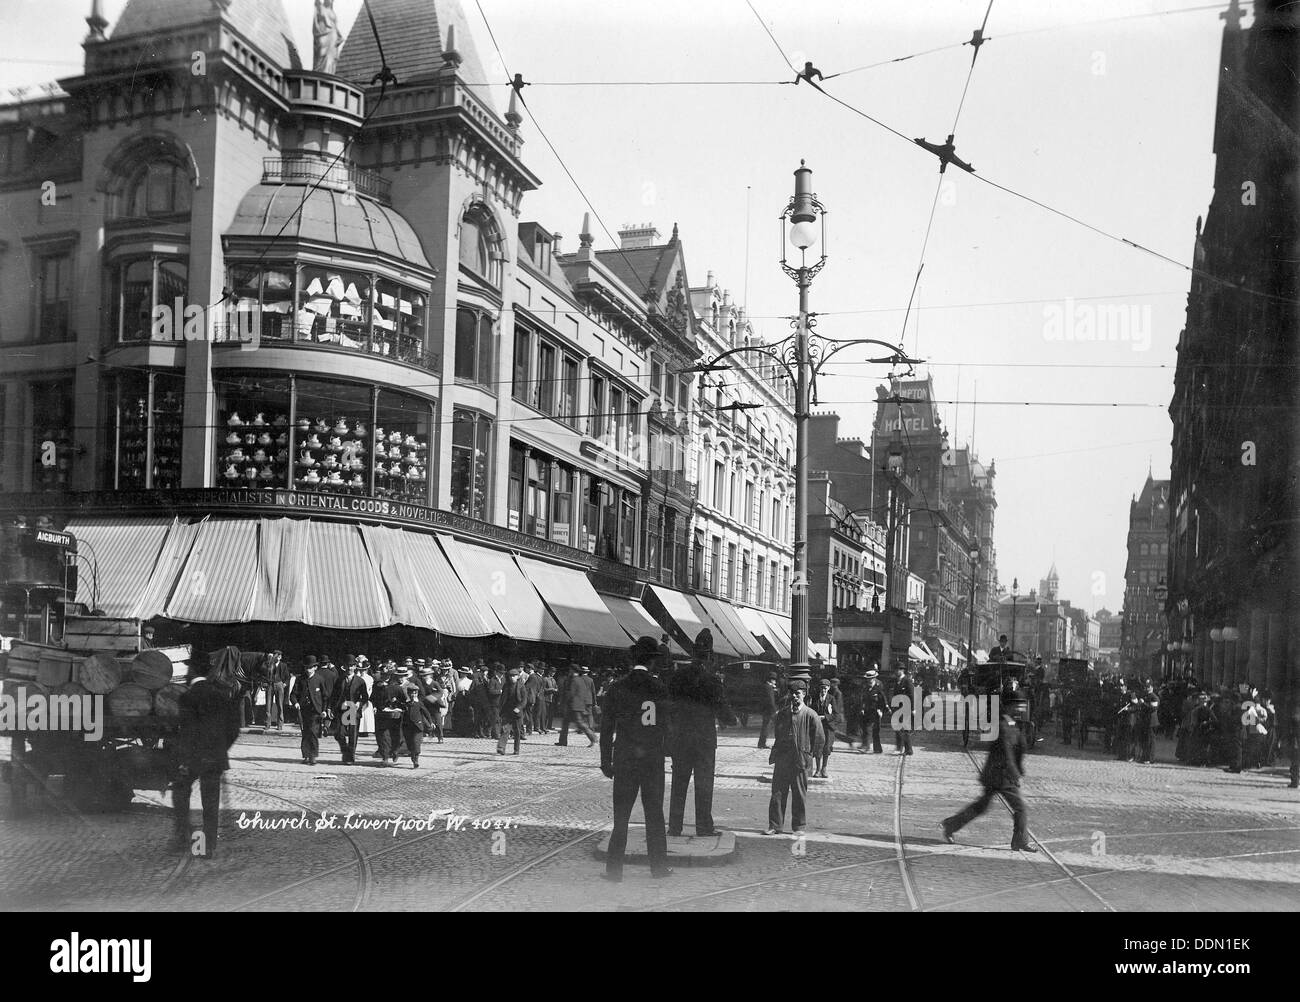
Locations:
1117 836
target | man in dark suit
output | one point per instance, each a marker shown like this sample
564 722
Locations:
389 699
632 738
313 697
797 743
351 699
693 737
277 673
511 710
874 708
827 706
577 697
767 703
903 733
535 683
1000 775
1001 651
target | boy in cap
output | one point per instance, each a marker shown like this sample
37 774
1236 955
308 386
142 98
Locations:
797 743
828 708
510 710
632 755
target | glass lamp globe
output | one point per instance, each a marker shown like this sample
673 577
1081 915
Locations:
803 235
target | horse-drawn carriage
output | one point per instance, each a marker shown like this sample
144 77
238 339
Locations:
1010 681
1088 706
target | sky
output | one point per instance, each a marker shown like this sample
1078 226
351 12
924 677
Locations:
1089 108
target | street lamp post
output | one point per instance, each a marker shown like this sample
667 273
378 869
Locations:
895 469
974 566
802 355
1015 587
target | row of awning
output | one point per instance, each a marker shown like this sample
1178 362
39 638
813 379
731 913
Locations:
354 577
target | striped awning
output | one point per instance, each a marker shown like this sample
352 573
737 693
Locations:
780 625
761 628
505 589
120 557
457 609
171 561
280 586
217 581
343 588
679 614
636 622
728 623
575 603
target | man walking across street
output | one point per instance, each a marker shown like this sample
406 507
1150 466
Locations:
796 745
578 696
827 706
632 737
1000 775
693 737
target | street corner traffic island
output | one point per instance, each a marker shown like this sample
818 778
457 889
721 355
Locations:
683 850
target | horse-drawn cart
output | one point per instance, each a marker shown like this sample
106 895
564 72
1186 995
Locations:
97 710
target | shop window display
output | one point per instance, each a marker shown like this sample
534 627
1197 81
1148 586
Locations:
399 321
470 447
334 307
53 451
334 440
267 290
401 447
150 413
253 434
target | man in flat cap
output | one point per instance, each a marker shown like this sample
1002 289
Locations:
693 738
797 743
829 706
632 738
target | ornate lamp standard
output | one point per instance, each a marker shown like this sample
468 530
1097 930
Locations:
970 640
1015 588
802 355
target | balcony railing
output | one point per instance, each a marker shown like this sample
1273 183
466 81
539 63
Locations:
313 167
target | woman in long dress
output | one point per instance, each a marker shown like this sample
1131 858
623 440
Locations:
368 711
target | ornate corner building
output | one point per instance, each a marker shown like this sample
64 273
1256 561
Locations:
1231 571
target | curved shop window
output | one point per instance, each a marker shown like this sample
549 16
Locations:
147 412
137 288
323 435
471 443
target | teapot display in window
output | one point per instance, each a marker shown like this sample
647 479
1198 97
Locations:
342 427
265 474
359 430
313 442
334 480
259 420
234 438
250 473
321 425
336 444
304 424
281 421
264 438
312 478
356 482
259 456
237 456
305 459
331 462
234 421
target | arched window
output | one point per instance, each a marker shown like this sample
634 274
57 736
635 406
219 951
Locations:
153 188
480 244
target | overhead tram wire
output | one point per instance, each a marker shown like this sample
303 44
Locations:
384 77
518 86
1190 269
772 37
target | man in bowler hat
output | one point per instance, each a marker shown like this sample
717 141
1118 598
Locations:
352 698
693 738
632 735
511 709
796 746
1000 775
312 697
577 696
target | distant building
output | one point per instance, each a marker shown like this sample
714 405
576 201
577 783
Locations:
1142 635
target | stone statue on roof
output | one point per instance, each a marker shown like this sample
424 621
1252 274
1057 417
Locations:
326 40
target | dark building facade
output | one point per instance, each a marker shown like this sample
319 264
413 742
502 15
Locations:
1231 604
1142 635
